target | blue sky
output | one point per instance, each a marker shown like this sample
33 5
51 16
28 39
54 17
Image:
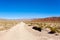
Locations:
15 9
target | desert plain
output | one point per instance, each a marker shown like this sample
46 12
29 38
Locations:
34 29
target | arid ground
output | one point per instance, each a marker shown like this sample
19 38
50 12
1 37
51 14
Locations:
30 30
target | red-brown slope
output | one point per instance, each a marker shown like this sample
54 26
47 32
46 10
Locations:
50 19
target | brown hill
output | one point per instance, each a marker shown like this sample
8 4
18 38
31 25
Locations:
49 19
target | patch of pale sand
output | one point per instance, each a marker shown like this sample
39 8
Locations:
2 33
23 32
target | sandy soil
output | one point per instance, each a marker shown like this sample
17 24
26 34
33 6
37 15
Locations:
22 32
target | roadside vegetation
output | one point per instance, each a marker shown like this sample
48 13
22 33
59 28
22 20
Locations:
53 27
5 25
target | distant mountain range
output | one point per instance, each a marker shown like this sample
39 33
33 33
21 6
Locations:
48 19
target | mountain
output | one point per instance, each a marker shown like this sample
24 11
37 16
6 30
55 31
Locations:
49 19
15 21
